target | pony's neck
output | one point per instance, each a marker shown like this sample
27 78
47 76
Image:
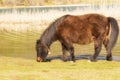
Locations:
49 35
48 41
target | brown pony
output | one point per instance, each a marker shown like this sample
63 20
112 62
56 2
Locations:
82 30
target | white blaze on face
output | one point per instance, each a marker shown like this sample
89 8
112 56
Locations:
49 52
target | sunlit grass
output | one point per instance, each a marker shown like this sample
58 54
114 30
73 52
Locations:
28 69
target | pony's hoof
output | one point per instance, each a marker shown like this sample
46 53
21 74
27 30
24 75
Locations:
65 60
109 58
73 60
93 60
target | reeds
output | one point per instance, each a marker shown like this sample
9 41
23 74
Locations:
36 20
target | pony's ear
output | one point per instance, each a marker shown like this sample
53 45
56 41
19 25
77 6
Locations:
38 41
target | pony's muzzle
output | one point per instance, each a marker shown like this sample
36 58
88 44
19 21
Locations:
39 59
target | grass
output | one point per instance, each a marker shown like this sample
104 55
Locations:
28 69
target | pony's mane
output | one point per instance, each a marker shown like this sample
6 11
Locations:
48 34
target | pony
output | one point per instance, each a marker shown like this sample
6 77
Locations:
79 29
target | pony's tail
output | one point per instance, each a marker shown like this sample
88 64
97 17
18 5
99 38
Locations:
114 33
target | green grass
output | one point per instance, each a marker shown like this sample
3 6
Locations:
17 61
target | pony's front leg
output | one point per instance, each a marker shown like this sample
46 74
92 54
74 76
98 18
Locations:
71 49
69 46
97 47
64 51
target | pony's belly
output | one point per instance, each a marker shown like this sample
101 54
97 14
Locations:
84 41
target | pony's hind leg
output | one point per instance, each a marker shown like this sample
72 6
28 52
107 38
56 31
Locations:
97 47
109 54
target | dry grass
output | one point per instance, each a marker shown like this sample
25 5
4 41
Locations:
54 2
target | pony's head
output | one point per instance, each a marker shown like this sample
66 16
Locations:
42 51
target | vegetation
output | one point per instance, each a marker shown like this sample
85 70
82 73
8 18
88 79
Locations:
53 2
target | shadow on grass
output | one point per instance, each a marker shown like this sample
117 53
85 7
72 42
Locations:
58 57
83 57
